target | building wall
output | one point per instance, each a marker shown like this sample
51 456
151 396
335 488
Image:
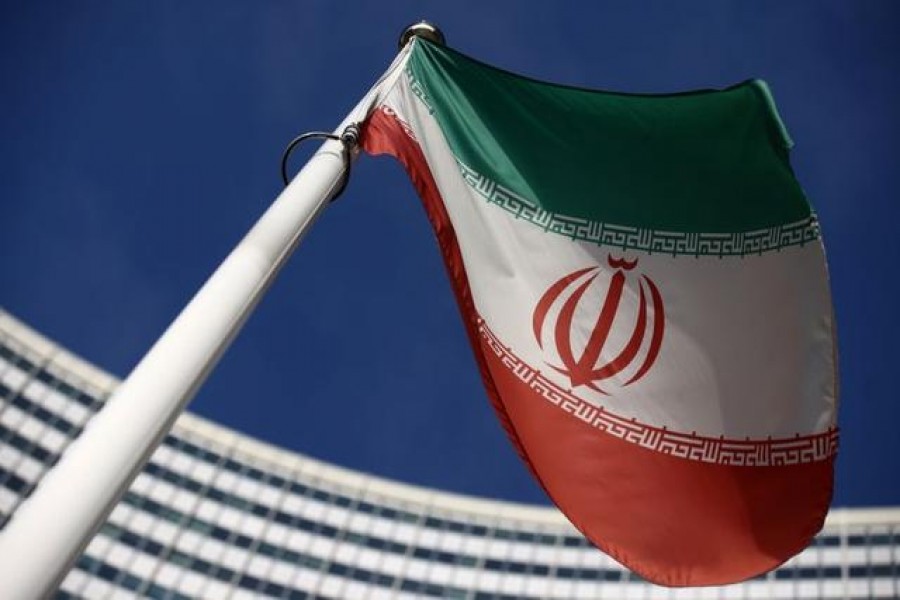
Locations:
216 514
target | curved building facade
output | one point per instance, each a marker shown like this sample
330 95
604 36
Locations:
216 514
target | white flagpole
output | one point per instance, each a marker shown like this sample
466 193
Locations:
52 527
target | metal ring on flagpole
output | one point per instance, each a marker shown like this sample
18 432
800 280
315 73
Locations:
348 138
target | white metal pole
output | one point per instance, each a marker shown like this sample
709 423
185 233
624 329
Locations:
52 527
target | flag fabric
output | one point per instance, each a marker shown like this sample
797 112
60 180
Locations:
644 287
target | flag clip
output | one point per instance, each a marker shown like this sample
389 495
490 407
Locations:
349 139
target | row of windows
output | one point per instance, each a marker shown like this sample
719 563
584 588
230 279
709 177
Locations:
126 580
287 555
121 578
363 575
249 582
34 409
153 548
365 507
48 378
323 529
27 446
20 486
71 430
581 574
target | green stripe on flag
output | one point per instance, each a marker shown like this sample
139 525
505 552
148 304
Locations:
700 162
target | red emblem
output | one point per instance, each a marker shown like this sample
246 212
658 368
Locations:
585 369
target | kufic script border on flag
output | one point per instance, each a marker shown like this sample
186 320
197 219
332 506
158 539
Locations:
799 449
625 237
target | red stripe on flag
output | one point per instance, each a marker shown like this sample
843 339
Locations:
674 521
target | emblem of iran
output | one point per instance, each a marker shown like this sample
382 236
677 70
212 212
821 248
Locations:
593 336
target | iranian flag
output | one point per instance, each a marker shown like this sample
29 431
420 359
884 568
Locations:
644 286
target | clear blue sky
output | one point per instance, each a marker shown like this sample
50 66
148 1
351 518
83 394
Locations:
140 140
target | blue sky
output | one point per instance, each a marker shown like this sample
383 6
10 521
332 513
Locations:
140 140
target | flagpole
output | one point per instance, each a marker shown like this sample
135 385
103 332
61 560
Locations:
51 528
